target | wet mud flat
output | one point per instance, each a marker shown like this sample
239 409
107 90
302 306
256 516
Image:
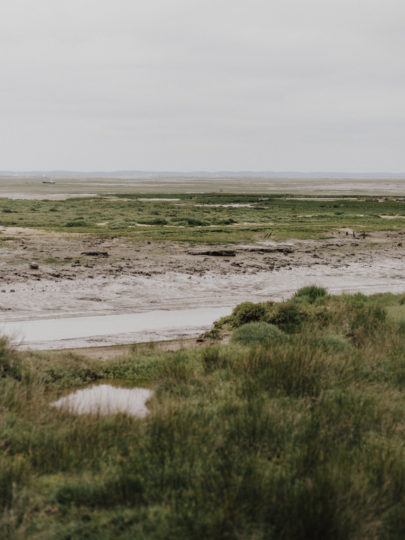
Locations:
86 277
32 255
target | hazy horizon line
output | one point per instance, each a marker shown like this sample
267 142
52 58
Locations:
139 173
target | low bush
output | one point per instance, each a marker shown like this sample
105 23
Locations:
289 317
247 312
334 343
78 223
190 221
154 221
256 333
311 293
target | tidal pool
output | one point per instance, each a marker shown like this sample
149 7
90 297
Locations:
106 399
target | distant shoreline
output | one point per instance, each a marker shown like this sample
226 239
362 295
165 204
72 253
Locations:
271 175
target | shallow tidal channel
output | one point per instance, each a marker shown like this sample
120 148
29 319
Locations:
69 332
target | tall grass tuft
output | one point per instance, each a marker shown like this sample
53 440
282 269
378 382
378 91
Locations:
311 293
10 364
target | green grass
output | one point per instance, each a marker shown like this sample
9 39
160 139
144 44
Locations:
194 219
295 438
396 313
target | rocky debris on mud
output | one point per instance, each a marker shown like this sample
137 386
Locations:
285 250
95 253
215 252
58 257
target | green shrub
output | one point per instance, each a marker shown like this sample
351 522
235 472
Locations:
154 221
311 293
77 223
212 334
223 321
333 343
191 222
289 317
247 312
322 316
227 221
256 332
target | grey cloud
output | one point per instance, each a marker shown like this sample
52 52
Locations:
275 84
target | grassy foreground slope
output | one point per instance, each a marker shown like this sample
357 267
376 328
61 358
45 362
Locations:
293 430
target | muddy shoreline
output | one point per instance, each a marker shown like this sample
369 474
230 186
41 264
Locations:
79 275
31 255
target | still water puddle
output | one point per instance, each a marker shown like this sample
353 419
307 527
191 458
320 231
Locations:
106 399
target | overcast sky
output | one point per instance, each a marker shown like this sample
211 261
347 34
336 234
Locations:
202 84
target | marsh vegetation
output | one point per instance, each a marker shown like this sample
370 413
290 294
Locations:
206 218
293 430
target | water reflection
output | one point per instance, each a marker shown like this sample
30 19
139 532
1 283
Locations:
106 399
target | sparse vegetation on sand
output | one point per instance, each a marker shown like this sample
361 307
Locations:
297 433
